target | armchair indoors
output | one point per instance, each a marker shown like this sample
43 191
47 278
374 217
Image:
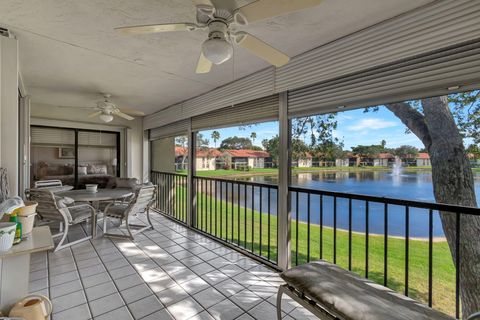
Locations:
122 211
52 208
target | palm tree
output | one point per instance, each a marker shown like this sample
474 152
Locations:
253 136
215 137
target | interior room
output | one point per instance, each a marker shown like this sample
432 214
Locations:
240 159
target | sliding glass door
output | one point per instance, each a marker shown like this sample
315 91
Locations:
74 156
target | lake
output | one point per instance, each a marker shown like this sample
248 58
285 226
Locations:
412 185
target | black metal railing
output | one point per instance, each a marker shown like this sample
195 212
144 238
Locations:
397 243
240 213
171 197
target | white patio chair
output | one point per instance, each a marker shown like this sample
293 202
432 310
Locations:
47 183
140 203
51 208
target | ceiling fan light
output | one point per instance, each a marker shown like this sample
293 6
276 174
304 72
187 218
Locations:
217 50
106 117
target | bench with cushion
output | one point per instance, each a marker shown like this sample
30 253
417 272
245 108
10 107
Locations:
331 292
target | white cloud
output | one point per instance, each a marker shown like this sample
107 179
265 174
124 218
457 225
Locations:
372 124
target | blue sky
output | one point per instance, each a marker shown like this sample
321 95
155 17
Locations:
354 127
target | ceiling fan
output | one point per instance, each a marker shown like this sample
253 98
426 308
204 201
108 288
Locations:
221 22
107 109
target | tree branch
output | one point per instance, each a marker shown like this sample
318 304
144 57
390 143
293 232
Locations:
413 119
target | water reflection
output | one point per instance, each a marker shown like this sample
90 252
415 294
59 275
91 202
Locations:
415 185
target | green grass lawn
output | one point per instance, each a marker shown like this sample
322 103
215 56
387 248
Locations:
250 229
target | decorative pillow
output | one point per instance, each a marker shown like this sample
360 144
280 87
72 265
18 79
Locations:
97 169
82 171
129 183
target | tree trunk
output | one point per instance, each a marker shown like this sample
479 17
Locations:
453 183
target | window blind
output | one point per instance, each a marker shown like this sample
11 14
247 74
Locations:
422 76
51 136
170 130
255 111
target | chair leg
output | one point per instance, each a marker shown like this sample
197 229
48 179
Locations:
148 218
105 223
64 237
128 227
279 302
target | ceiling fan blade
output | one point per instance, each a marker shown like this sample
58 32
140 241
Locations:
263 9
202 3
261 49
204 65
93 115
123 115
132 112
73 107
154 28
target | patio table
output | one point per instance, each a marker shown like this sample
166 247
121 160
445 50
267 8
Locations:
95 197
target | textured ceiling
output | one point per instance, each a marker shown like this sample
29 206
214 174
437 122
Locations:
69 51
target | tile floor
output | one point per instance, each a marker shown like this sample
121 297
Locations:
167 273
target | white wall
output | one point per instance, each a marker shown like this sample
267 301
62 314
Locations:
42 114
9 110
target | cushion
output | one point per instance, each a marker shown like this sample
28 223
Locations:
82 171
353 297
117 210
97 169
129 183
80 214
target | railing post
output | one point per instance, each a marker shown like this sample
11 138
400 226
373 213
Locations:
284 215
191 192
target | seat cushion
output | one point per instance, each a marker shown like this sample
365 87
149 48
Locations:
352 297
117 210
80 214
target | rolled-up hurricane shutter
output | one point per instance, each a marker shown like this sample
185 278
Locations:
97 138
437 25
51 136
255 111
430 74
174 129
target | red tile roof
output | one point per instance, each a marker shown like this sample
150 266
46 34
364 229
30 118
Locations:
385 155
423 155
211 152
243 153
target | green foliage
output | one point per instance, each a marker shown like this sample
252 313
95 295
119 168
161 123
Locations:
405 151
215 137
236 143
271 146
181 141
466 110
202 142
368 151
474 149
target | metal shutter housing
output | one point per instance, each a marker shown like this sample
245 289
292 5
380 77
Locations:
426 75
431 27
255 111
174 129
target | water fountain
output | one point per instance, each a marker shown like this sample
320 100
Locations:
397 167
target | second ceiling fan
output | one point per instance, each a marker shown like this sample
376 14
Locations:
220 22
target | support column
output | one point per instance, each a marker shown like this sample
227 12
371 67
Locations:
284 215
24 138
191 192
9 111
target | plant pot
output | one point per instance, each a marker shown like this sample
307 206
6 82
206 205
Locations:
27 224
29 208
7 235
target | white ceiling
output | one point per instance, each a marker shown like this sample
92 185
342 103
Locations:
69 51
